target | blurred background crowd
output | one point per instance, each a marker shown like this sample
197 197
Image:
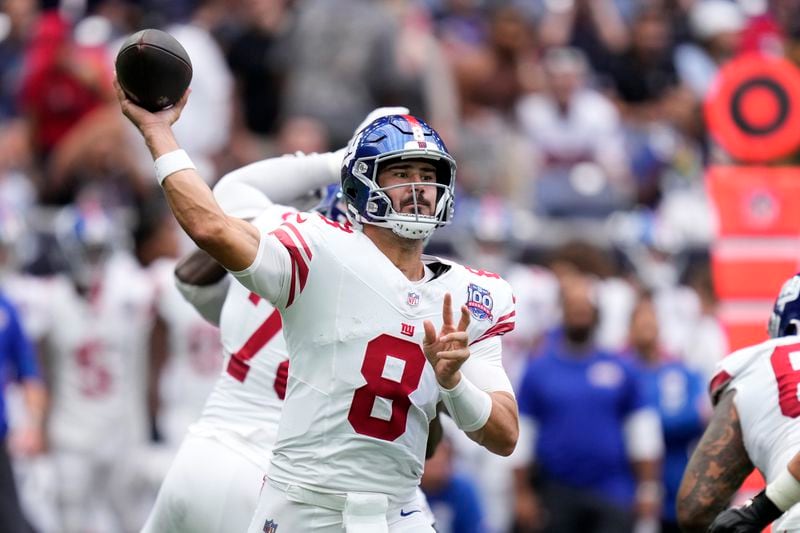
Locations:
581 145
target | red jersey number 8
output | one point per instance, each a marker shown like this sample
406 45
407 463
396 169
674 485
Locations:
788 378
376 358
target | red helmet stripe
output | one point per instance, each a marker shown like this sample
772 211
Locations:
412 120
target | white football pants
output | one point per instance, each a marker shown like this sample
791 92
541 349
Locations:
275 509
208 489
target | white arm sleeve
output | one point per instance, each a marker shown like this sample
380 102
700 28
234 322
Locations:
248 191
207 299
644 440
484 368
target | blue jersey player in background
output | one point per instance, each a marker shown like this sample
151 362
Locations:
17 364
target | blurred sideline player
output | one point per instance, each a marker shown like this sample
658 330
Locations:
192 362
94 347
239 423
755 392
189 369
18 365
29 295
185 352
350 447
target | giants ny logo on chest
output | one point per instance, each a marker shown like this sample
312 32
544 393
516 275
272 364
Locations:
479 302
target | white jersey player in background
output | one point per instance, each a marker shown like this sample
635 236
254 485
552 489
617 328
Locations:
364 379
95 354
755 392
193 358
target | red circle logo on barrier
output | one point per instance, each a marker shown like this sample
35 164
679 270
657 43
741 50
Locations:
753 109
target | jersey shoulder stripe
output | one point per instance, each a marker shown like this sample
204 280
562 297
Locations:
300 267
504 325
488 297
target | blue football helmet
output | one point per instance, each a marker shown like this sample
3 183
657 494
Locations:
786 312
87 235
332 204
386 139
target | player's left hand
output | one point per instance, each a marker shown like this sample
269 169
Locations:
448 350
751 517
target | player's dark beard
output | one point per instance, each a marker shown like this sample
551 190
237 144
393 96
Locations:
578 334
421 202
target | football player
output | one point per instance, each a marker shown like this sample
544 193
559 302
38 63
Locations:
240 420
754 425
369 325
193 360
94 348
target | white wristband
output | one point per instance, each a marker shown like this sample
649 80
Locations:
784 490
170 163
469 406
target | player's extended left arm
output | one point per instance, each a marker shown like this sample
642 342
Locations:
232 242
488 416
500 433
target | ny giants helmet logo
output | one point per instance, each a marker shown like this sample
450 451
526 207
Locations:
479 302
419 135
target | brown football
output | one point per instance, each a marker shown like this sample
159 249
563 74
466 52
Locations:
153 69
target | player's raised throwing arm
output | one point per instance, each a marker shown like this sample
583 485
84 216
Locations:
232 242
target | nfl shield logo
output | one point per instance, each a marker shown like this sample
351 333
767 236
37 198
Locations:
413 298
270 527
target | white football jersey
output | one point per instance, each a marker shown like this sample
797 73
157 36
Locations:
195 356
96 349
361 394
245 406
31 295
766 378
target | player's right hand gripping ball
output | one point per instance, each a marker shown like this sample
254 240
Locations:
751 517
153 69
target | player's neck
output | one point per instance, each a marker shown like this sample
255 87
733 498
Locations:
406 254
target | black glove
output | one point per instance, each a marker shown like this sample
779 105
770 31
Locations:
751 517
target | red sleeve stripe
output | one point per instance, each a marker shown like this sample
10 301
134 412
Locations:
300 239
497 329
718 384
506 317
299 265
